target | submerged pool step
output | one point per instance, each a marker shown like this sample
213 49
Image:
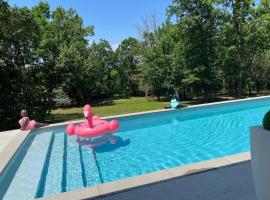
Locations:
91 172
74 168
25 182
53 184
68 167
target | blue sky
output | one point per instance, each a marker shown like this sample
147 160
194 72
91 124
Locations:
114 20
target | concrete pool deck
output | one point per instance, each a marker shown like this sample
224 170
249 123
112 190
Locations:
10 143
6 137
234 182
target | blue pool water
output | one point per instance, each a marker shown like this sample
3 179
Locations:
49 162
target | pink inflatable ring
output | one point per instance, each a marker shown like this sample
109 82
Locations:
93 126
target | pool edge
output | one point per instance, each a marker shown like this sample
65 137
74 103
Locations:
9 152
113 187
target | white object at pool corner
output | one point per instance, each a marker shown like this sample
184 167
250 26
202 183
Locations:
260 161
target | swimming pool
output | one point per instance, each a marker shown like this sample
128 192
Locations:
49 162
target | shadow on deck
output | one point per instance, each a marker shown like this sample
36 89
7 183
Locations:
228 183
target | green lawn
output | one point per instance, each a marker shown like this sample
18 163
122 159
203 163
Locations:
117 107
107 108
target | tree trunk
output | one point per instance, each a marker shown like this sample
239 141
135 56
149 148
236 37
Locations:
184 93
239 88
146 93
257 87
249 90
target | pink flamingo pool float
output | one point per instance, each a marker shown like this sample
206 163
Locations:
94 126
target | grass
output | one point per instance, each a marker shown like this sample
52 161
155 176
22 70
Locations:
107 108
116 107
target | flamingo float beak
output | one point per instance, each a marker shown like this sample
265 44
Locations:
86 114
86 110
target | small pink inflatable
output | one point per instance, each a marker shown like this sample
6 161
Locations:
93 126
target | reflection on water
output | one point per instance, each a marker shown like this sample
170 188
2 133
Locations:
111 147
104 143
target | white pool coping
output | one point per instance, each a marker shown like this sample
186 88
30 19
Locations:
11 148
116 186
6 137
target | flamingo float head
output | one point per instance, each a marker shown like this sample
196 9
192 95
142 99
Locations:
87 110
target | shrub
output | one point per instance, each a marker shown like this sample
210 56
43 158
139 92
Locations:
266 121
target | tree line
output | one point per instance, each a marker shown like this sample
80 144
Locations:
205 47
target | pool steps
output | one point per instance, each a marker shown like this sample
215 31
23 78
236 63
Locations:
91 170
77 168
69 174
74 173
105 189
30 178
54 175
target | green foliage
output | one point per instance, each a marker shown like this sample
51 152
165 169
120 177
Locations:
214 46
162 61
266 121
61 99
20 89
198 26
38 50
128 60
98 77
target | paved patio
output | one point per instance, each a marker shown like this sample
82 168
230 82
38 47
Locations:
228 183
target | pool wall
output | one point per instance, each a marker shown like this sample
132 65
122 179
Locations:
7 155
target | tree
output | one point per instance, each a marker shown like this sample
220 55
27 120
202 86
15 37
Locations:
258 43
128 57
63 47
245 39
163 63
199 23
98 81
20 89
61 99
39 51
